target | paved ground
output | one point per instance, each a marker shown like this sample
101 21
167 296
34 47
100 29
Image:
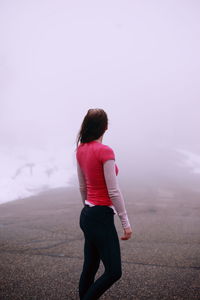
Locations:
41 247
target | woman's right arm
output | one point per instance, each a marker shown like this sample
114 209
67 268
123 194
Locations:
82 183
116 196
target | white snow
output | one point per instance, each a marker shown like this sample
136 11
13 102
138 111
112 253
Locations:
192 160
27 171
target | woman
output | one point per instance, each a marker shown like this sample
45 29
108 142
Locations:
101 198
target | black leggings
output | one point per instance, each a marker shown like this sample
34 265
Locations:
101 243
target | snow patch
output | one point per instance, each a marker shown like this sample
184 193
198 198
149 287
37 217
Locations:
25 172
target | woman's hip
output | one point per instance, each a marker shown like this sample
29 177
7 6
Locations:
97 219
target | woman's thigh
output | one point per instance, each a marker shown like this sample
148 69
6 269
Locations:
109 250
91 256
99 228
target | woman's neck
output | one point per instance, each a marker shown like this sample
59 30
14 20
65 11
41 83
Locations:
99 139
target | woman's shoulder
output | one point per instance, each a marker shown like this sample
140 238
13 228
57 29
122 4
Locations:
93 145
106 147
106 153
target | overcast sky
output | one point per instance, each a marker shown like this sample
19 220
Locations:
139 60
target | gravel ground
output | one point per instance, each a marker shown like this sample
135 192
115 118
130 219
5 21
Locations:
41 247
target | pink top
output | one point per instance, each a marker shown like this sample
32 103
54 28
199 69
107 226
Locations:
91 157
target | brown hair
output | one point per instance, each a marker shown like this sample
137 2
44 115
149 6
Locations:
93 126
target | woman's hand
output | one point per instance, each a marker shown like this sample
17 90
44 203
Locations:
127 234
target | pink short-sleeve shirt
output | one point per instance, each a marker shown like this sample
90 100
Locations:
91 157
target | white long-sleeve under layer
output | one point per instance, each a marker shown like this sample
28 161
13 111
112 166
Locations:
113 191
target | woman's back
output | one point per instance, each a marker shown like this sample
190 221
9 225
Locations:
91 157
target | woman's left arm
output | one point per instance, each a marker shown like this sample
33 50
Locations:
82 183
115 192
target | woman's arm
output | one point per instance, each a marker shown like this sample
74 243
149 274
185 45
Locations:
82 183
115 193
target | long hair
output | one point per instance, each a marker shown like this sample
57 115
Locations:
93 126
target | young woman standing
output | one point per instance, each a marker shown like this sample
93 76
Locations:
101 199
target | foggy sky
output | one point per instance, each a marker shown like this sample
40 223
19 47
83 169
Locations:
139 60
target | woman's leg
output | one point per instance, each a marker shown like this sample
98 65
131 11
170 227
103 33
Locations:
90 267
107 243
